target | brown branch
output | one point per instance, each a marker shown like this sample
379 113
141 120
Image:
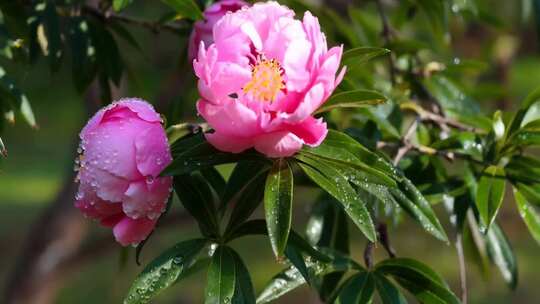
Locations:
368 255
383 237
387 33
462 268
406 142
152 26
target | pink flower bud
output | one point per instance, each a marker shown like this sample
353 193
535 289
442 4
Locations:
202 30
124 148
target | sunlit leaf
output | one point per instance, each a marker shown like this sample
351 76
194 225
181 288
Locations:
529 215
490 194
361 55
185 8
163 271
221 281
333 182
278 195
426 285
290 278
18 101
501 254
416 205
352 99
119 5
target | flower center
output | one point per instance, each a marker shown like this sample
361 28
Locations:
266 80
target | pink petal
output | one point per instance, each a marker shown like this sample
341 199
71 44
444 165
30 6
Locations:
147 198
312 131
91 205
111 147
312 101
295 62
233 118
227 143
108 186
278 144
152 151
143 109
132 231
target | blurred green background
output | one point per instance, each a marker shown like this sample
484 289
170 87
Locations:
39 161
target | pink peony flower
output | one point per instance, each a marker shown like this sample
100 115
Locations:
262 79
124 148
202 30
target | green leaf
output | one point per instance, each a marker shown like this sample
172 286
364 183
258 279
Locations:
53 37
361 55
327 227
388 292
17 100
119 5
416 205
294 255
352 99
526 137
463 142
14 18
110 63
357 289
523 168
83 60
437 16
243 288
278 196
200 200
185 8
453 100
333 182
340 146
163 271
518 118
530 192
244 172
123 33
3 150
247 199
426 285
291 278
220 285
194 152
490 194
501 254
528 214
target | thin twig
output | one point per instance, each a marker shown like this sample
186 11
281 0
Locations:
368 255
385 240
153 26
387 36
462 268
406 141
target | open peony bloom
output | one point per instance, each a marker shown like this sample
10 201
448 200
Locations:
202 29
124 148
262 79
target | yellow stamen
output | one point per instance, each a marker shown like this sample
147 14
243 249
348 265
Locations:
266 80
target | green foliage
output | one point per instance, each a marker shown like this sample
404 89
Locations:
408 129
